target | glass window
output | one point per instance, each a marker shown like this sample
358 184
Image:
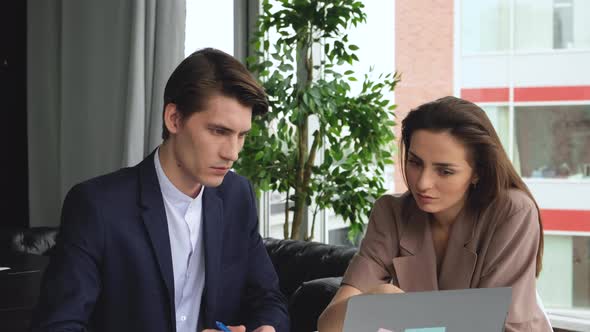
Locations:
552 141
563 28
581 271
485 26
533 24
538 25
499 117
565 283
209 24
277 215
551 24
581 24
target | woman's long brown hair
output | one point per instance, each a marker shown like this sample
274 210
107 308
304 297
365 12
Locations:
469 123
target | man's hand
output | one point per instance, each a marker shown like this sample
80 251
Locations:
385 289
265 328
240 328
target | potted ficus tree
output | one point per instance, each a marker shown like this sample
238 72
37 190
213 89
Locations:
339 162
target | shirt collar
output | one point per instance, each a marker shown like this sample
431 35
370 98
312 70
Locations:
169 190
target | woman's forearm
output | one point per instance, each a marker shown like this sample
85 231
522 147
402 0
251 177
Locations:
332 319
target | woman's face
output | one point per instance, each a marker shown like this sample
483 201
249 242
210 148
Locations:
439 173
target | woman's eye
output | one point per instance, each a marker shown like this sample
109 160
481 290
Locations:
445 172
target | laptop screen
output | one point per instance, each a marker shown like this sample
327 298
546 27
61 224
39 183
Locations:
465 310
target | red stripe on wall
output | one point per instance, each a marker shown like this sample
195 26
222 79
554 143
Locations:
566 220
485 95
545 93
552 93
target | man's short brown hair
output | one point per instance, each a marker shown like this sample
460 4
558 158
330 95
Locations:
208 72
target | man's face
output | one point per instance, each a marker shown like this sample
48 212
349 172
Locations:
207 143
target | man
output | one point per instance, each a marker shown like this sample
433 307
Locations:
171 244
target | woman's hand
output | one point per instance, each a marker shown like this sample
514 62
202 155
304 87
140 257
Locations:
385 289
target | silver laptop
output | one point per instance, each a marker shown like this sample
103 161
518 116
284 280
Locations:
465 310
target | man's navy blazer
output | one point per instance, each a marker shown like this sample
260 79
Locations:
111 269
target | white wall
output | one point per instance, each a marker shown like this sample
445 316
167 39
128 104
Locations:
552 68
560 193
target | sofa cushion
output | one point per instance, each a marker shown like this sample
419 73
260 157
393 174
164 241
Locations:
299 261
36 240
309 301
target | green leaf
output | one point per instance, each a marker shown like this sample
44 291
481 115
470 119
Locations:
286 67
259 155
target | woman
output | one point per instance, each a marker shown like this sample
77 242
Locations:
467 221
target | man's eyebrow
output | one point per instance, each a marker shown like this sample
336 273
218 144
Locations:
229 130
413 155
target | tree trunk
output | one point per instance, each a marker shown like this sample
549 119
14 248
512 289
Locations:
304 78
286 224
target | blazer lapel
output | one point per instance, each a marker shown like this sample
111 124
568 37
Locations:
416 268
213 241
460 259
154 218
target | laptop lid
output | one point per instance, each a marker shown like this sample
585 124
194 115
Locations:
465 310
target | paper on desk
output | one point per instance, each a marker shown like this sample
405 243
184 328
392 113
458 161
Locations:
4 268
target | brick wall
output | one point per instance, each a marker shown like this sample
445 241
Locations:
423 56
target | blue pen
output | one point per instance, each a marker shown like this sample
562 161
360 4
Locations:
222 326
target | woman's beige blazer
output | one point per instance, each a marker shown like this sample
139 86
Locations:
495 248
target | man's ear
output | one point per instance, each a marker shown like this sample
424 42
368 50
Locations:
172 118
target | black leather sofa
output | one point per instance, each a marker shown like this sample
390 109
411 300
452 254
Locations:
26 252
309 272
309 275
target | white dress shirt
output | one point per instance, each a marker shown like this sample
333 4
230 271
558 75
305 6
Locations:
184 216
